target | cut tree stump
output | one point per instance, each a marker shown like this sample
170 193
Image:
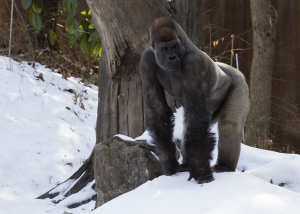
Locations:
116 165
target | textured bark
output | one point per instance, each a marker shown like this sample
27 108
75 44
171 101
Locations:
264 19
86 175
123 27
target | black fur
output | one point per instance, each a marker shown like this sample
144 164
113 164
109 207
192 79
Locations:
208 92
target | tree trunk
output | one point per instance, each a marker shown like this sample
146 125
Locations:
123 27
264 19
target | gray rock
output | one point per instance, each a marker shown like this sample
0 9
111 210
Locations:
121 166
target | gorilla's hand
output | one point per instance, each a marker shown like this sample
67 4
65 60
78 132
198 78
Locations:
200 177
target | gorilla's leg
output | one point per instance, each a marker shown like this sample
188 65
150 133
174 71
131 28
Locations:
229 146
232 117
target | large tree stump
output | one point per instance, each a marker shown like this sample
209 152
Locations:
121 166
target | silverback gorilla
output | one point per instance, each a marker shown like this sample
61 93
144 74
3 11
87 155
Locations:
209 92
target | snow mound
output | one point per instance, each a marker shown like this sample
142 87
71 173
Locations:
285 172
230 193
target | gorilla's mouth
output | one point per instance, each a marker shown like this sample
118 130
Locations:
173 66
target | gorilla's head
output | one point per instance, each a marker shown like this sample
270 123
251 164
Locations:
167 44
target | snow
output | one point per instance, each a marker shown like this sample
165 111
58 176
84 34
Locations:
146 136
232 193
65 187
284 171
43 143
124 137
86 193
178 126
248 190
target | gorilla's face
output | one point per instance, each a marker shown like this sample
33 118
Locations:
168 55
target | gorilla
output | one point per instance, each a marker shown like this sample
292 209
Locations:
209 92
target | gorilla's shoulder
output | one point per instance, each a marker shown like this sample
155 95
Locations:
148 55
147 62
195 56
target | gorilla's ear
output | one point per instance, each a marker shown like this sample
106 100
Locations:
153 45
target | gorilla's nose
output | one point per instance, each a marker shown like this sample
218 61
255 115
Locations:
172 56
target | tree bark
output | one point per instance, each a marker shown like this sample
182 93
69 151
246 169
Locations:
264 19
123 27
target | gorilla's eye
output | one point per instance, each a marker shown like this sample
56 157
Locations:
164 49
173 47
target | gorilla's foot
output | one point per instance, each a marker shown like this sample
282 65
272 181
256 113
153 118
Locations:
222 168
169 172
170 168
183 167
206 179
202 179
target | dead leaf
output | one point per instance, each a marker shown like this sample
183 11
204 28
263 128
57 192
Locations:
69 90
69 164
41 77
57 201
82 106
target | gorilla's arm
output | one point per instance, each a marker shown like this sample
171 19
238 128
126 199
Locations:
159 116
198 141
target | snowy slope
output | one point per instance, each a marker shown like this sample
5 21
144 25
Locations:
43 143
45 137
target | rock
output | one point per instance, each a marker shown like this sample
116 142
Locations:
121 166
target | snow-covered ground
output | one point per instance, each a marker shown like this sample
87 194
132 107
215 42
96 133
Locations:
45 138
248 190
